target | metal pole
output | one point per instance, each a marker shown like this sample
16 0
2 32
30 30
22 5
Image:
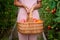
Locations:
10 37
44 36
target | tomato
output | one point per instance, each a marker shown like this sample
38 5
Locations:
49 27
39 21
34 19
53 11
23 21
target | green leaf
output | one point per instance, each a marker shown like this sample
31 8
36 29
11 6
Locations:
57 19
58 13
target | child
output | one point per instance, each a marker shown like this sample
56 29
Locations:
25 7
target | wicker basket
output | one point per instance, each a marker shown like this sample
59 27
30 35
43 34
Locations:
30 27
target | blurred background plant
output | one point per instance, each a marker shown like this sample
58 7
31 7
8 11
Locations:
50 13
8 14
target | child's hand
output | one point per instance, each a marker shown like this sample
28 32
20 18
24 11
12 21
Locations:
27 10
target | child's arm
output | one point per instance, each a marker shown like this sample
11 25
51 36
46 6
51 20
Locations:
37 6
19 4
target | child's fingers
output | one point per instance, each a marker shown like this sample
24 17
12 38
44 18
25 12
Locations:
27 10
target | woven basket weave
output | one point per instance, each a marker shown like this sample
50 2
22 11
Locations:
30 27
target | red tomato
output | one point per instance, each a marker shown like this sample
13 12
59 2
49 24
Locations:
23 20
49 27
34 19
53 11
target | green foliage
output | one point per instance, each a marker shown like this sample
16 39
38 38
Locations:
8 14
50 18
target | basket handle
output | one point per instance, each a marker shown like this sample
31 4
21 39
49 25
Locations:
29 17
